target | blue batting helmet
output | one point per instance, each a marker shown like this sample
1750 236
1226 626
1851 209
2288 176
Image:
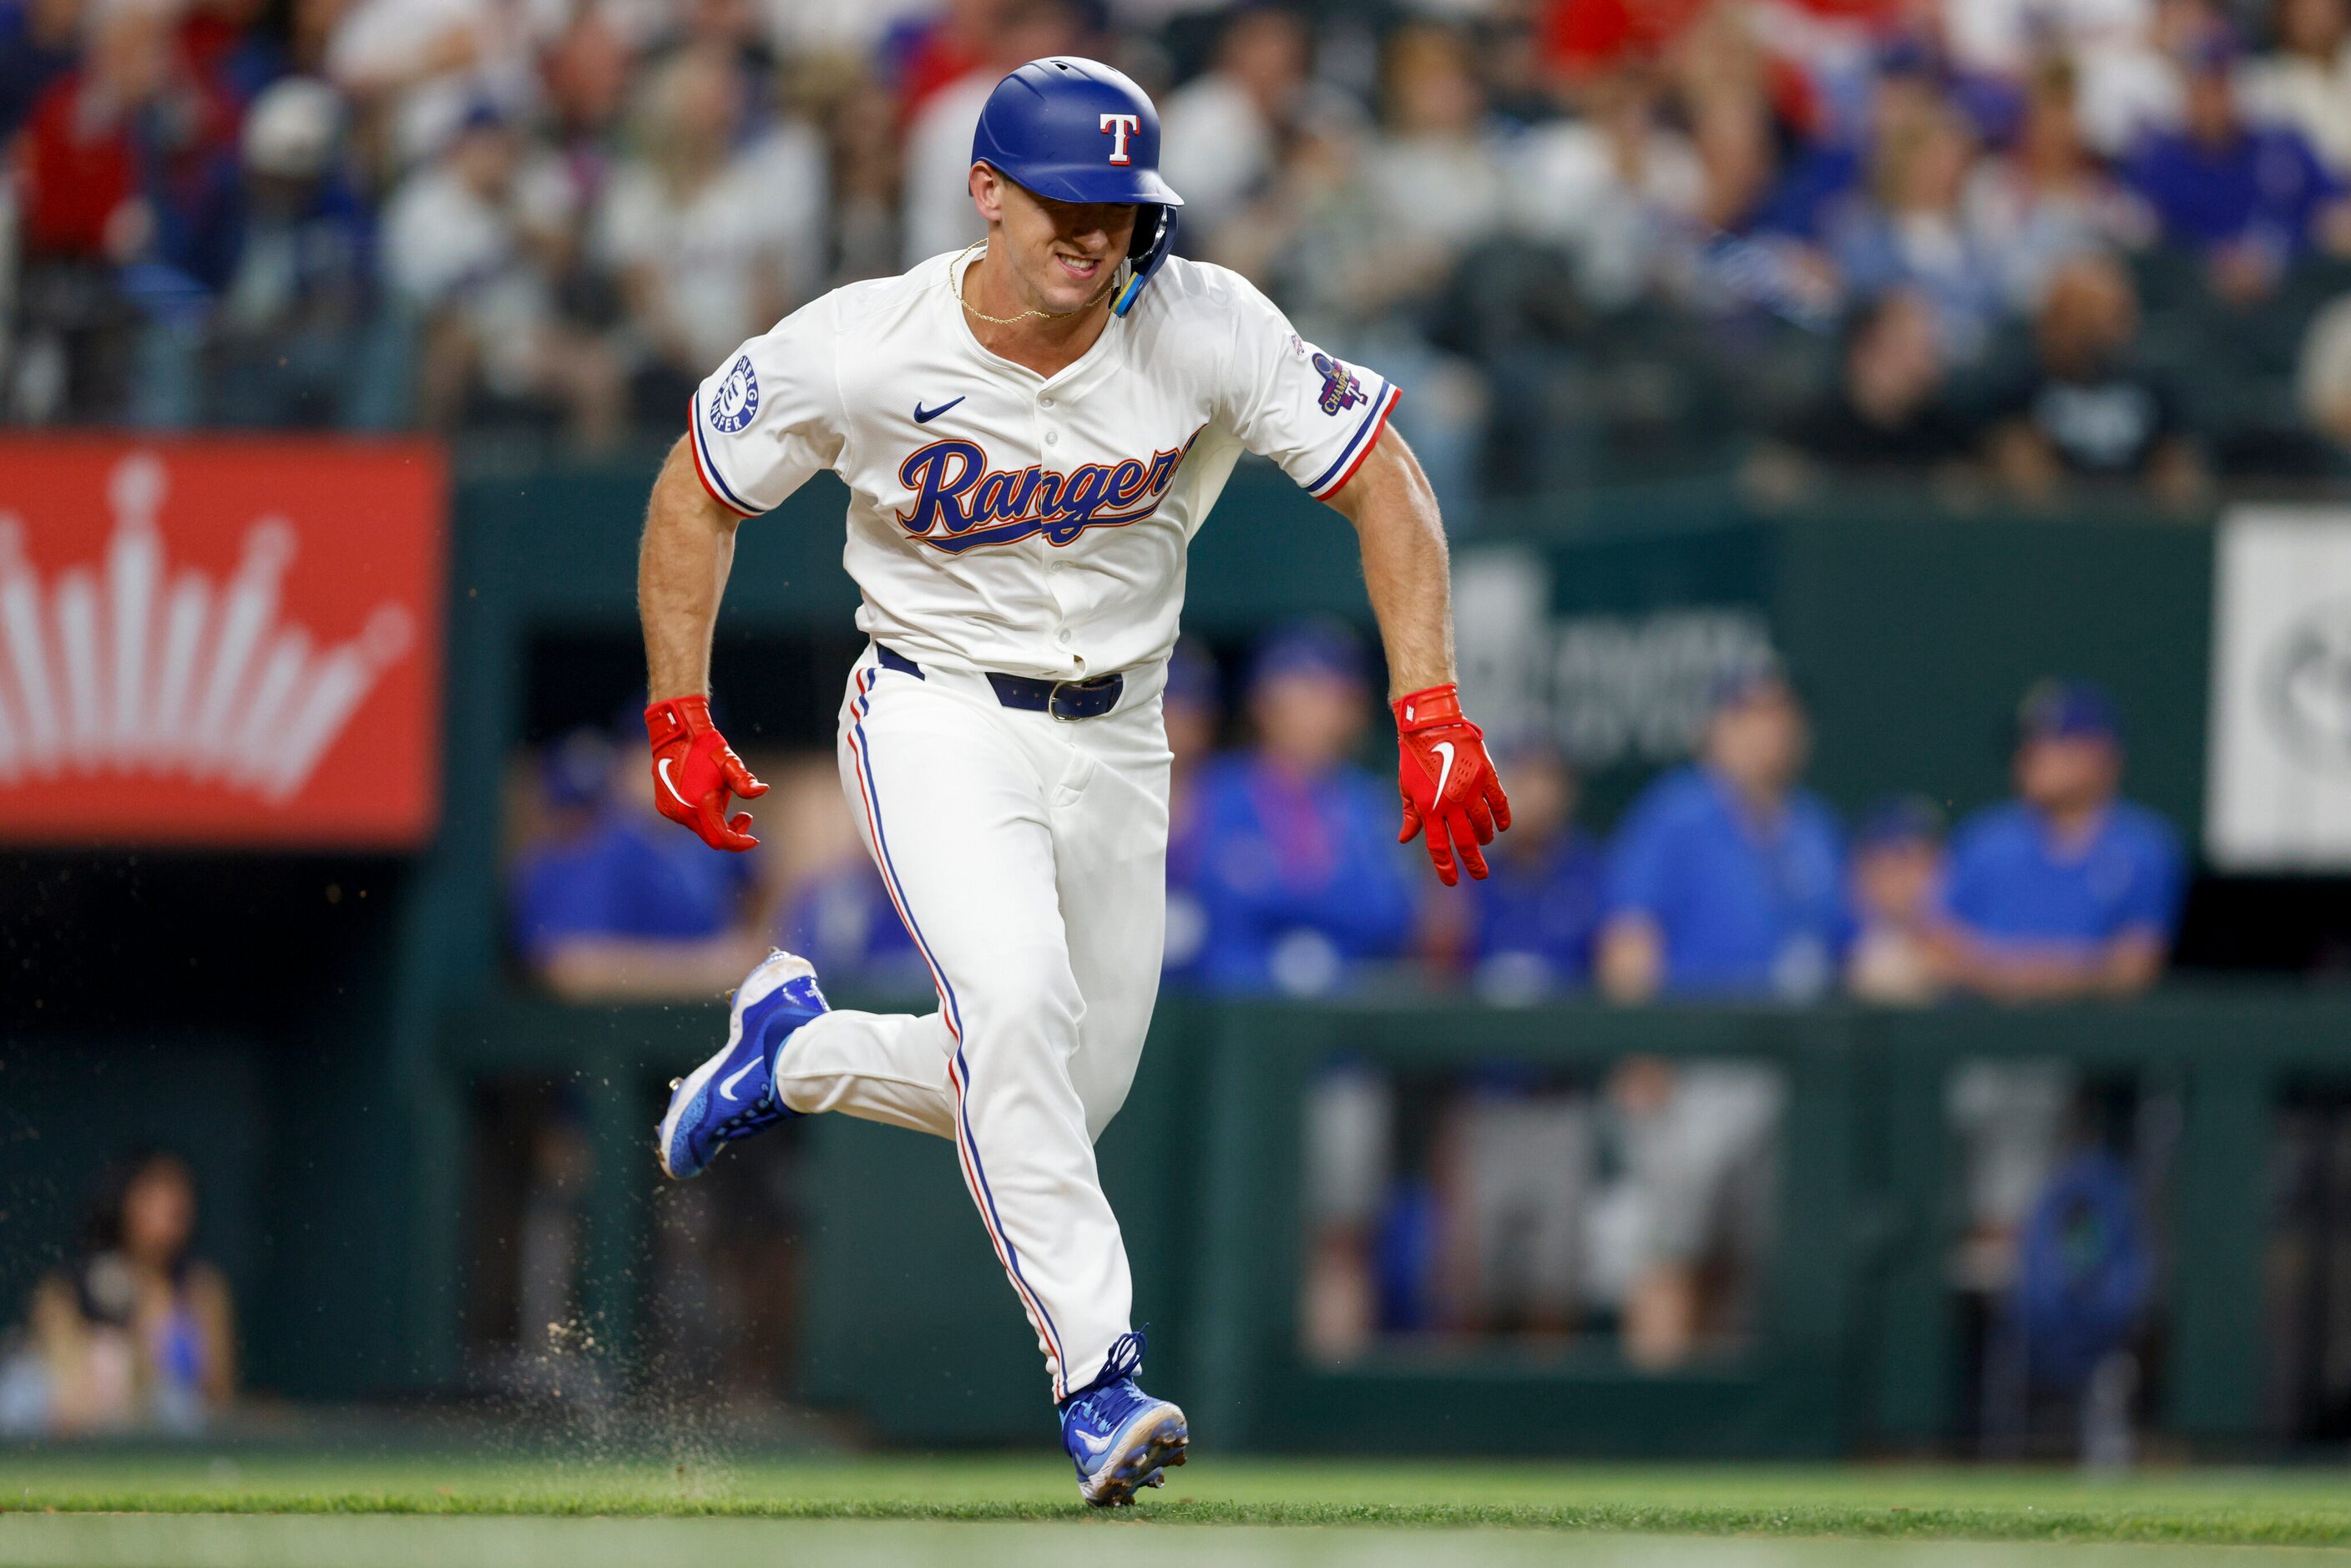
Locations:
1074 129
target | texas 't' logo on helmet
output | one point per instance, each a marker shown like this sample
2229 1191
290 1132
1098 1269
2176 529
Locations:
1118 127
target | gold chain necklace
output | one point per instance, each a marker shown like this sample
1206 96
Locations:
956 272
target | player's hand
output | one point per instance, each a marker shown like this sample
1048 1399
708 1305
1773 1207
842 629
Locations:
695 770
1447 780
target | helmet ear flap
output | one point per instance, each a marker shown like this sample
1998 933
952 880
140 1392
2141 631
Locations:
1154 237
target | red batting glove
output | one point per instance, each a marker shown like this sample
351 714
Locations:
1448 780
694 769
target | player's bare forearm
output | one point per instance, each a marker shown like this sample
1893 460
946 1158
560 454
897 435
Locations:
1405 568
682 566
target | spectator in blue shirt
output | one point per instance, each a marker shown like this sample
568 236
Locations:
1299 877
2251 197
1727 879
1528 929
2068 890
615 902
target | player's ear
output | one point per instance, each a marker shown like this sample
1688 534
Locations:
988 193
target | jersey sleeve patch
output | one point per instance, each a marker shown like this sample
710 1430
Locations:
1359 445
768 418
736 403
705 464
1342 389
1284 397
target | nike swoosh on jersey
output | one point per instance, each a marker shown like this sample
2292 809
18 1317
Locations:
726 1084
1445 747
924 415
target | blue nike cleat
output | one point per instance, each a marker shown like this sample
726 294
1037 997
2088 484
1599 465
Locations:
1118 1435
733 1094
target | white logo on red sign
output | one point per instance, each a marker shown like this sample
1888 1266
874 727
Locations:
131 668
1118 127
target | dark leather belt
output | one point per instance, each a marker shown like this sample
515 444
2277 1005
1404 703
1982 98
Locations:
1066 700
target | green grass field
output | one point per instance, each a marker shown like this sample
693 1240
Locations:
92 1507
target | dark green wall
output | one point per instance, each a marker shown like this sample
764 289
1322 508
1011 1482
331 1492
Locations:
1915 636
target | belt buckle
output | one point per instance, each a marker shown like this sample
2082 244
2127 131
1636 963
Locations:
1053 698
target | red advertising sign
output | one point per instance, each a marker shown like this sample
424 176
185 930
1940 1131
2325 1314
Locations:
230 643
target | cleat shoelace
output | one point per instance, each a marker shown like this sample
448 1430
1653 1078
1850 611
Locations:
1125 1358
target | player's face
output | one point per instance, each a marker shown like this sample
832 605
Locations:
1062 253
1894 880
2067 773
158 1212
1543 798
1760 741
1309 719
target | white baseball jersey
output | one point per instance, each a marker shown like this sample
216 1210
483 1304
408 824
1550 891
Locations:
999 520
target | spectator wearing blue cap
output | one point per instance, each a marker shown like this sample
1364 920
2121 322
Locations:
1896 880
1728 876
611 902
2251 197
1297 878
2068 890
1191 709
1528 929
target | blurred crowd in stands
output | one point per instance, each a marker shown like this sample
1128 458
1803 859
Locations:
2016 243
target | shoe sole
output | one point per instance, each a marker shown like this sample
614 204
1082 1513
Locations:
776 970
1162 1439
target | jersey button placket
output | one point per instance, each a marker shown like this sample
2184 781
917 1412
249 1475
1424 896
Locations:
1056 568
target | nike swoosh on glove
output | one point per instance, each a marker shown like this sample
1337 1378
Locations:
1449 788
695 770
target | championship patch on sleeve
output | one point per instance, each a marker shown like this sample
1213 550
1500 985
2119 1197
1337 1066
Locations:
737 402
1342 389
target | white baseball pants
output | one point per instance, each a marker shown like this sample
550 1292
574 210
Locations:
1027 857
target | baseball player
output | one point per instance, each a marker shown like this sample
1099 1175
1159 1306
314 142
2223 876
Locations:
1031 431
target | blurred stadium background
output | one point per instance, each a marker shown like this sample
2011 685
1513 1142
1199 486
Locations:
1894 451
